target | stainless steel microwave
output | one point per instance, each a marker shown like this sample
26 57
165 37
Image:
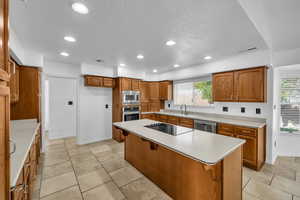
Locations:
131 97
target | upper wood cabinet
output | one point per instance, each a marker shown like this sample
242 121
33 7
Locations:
154 90
247 85
223 86
250 85
98 81
166 90
129 84
144 91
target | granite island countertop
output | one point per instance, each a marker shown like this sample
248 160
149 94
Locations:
22 132
234 120
202 146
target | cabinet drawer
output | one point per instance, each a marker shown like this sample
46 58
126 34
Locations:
225 128
189 123
173 120
108 82
163 117
245 131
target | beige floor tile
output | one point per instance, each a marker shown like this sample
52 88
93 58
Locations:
296 198
116 148
247 196
115 164
72 193
286 185
285 172
37 183
57 183
79 150
86 166
35 195
58 169
93 179
101 148
297 160
246 179
55 142
125 175
107 191
55 159
80 158
258 176
142 189
266 192
288 163
107 155
298 177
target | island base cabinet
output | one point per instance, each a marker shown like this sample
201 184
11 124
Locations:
182 177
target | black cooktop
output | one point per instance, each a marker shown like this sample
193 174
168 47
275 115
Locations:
169 128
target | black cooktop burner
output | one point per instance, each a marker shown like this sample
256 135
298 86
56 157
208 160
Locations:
169 128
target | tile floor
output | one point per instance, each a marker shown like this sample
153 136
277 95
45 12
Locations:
98 171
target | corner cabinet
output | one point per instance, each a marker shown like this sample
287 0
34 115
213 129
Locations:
254 150
166 90
247 85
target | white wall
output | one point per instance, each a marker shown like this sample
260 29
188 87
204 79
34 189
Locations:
61 69
131 73
99 70
95 121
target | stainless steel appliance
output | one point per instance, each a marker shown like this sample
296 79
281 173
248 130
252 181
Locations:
130 97
131 112
203 125
169 128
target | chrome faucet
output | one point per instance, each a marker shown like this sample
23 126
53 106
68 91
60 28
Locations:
183 109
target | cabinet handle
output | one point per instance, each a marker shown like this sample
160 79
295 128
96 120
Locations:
14 147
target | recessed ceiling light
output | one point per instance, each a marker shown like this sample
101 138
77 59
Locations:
122 65
170 43
70 39
207 57
176 65
64 54
140 57
155 70
80 8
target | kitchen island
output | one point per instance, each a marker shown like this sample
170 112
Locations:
195 165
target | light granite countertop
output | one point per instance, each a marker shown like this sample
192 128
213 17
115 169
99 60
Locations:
22 132
234 120
204 147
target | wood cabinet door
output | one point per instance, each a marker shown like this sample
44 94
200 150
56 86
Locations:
223 86
93 81
144 92
154 106
108 82
249 150
4 103
14 82
125 84
144 107
135 84
154 91
250 85
165 90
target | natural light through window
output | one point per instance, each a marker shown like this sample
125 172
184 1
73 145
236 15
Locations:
290 105
193 93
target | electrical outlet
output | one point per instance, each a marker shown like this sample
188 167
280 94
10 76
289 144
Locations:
225 109
258 111
243 109
169 105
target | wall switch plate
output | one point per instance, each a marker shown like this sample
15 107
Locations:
258 111
243 109
225 109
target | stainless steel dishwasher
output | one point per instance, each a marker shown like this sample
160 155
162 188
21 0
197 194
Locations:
203 125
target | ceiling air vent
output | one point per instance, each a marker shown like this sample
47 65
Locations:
248 50
100 61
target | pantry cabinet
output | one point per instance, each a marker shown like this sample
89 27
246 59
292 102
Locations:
254 150
247 85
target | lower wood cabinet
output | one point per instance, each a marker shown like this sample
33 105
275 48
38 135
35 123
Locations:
117 134
185 122
183 178
24 186
254 150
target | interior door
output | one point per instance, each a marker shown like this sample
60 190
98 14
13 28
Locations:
4 103
62 107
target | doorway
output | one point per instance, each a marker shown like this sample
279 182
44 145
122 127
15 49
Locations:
62 107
